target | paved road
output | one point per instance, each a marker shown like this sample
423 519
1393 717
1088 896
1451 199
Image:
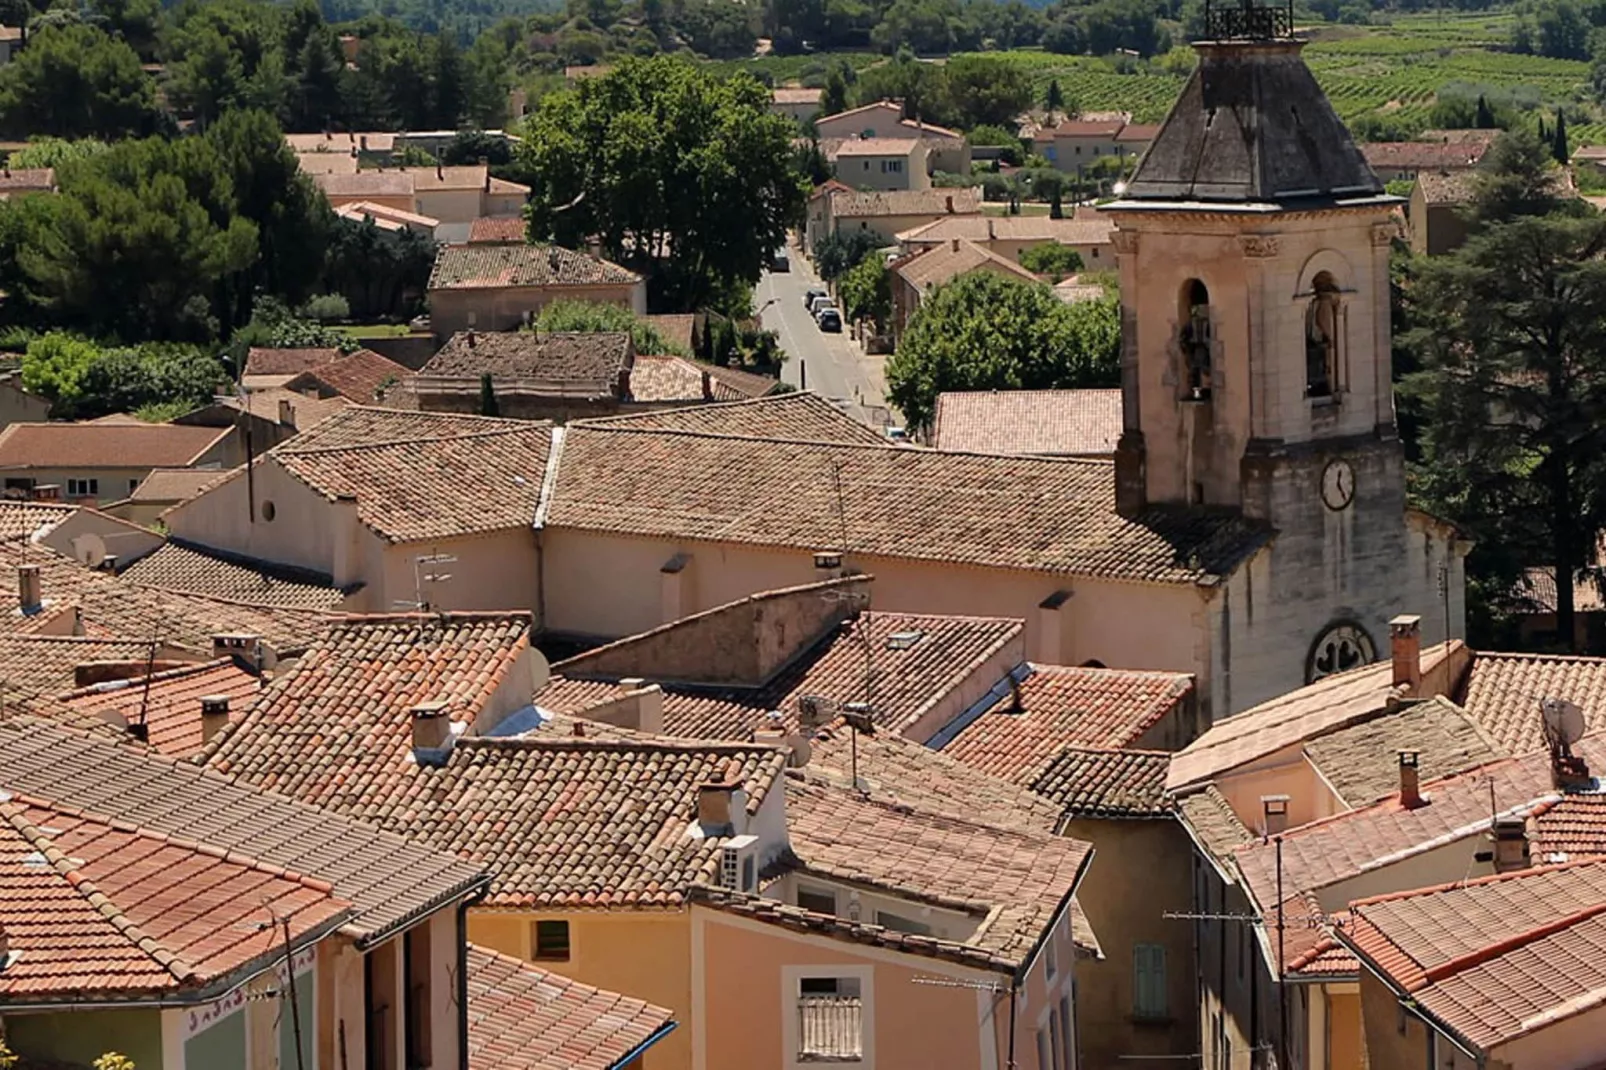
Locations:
833 364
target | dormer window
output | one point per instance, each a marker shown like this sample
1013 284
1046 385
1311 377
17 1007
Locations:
1322 330
1195 339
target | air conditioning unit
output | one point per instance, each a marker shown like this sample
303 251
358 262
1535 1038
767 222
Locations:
738 864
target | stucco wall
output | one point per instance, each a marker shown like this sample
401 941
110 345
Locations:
1571 1044
496 570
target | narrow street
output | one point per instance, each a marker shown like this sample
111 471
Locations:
831 365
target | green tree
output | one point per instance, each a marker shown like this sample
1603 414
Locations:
1053 259
471 146
1054 97
834 97
837 253
866 291
986 90
135 21
55 152
618 155
1559 147
588 317
1518 179
76 82
55 367
984 331
999 137
1484 119
488 403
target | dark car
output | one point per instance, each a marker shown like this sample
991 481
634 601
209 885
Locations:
780 262
830 320
810 295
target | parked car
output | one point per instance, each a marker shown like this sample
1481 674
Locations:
780 262
809 296
829 320
818 302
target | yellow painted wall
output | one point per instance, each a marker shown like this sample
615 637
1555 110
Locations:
1346 1045
638 953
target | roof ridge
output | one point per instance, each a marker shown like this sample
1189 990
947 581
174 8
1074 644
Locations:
179 968
643 742
160 676
354 620
1475 882
1140 752
311 451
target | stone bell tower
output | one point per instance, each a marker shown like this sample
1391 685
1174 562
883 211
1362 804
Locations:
1253 243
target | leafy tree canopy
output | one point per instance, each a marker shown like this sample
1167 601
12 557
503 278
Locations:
591 316
75 81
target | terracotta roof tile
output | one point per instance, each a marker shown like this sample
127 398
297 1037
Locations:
1211 822
389 881
521 1017
938 264
1501 692
373 426
1572 827
869 146
1423 155
1080 128
363 185
1060 705
798 416
97 445
913 202
480 267
1093 782
16 179
598 360
1081 230
1044 422
266 403
665 378
181 566
1019 513
261 360
1497 958
363 377
1361 762
510 230
733 384
1441 187
175 484
92 906
45 663
171 703
27 519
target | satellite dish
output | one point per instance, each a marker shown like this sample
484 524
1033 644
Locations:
89 549
540 671
1564 721
814 711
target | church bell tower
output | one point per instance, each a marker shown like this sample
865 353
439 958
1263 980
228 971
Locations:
1253 243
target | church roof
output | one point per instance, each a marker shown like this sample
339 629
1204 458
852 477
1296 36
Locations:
1252 128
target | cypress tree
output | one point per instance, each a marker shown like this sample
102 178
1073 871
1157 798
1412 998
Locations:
1558 148
488 406
1485 119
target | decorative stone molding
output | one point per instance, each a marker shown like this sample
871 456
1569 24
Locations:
1125 242
1384 233
1258 245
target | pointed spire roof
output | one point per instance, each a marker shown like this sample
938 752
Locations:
1252 128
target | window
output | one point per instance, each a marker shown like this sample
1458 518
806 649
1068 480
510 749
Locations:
1194 338
133 485
1323 319
1148 981
899 924
1045 1061
1056 1037
1069 1049
552 941
895 166
819 900
1051 956
830 1019
82 488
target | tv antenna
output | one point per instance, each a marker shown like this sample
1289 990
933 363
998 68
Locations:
426 570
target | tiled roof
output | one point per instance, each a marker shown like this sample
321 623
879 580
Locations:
1210 820
1086 422
479 267
510 230
1092 782
14 179
1440 187
733 384
45 663
599 358
1138 132
1076 128
1361 762
260 360
389 881
1423 155
182 566
521 1017
95 908
901 772
1571 827
342 141
175 484
440 479
943 263
327 163
1081 230
26 519
364 377
1497 958
1060 705
1332 702
460 177
365 184
872 146
799 415
910 676
785 94
265 403
1013 879
1501 692
170 703
661 378
1018 513
94 445
1308 944
911 202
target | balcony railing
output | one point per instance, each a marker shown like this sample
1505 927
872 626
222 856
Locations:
830 1029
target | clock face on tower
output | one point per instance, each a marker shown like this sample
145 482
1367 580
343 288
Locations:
1338 485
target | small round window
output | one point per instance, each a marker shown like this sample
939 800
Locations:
268 511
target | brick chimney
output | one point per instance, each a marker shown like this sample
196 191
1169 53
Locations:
1405 638
244 647
953 243
214 715
1410 780
432 731
30 590
287 413
1510 844
1275 810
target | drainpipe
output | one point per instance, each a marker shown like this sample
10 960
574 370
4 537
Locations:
462 972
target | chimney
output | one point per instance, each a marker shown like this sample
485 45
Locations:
432 728
45 492
1410 780
214 715
1405 636
470 338
241 646
287 413
714 806
1510 844
827 561
1275 809
949 203
30 595
347 527
954 242
440 172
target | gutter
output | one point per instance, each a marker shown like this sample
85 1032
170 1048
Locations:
657 1034
469 891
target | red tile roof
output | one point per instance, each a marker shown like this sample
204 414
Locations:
364 377
100 445
26 519
46 663
1361 762
1572 827
1494 959
593 361
1094 782
1501 692
937 264
521 1017
1044 422
101 909
510 230
1060 705
798 416
261 360
180 566
171 704
905 202
175 484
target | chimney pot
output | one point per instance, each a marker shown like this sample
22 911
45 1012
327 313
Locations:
1275 809
432 726
714 805
1405 639
579 729
949 202
954 243
631 683
827 560
214 715
1410 780
30 596
238 645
